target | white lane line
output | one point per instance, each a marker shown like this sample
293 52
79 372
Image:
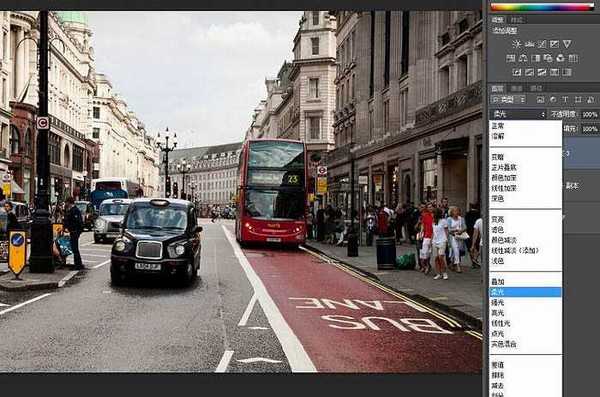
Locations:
258 328
248 311
3 304
294 351
257 360
93 255
15 307
101 264
224 363
66 278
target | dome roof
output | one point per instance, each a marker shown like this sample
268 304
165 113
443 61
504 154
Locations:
73 17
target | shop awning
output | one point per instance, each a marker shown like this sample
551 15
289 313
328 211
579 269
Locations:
15 188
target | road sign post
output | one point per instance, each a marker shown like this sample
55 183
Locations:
17 252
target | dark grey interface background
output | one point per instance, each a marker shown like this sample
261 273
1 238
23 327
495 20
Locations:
573 97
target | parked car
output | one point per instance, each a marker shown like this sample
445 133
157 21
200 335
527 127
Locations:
110 216
88 212
24 215
160 237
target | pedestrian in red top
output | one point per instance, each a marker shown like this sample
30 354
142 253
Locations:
382 222
426 224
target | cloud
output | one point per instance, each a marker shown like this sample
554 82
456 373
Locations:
193 71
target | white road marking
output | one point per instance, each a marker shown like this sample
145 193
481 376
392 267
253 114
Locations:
248 311
294 351
3 304
258 328
93 255
15 307
224 363
257 360
66 278
101 264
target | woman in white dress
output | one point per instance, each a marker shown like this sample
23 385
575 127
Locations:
456 227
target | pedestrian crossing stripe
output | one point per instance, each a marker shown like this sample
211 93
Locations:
3 304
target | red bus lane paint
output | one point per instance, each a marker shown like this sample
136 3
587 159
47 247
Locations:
347 325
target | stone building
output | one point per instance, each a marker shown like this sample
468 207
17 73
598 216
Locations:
70 89
213 174
126 149
408 107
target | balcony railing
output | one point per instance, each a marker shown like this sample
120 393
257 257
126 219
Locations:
452 104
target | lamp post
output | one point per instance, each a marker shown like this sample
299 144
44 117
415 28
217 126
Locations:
164 147
193 187
183 167
40 260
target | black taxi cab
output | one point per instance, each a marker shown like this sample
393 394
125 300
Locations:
158 237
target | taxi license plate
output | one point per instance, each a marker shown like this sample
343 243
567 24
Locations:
147 266
273 239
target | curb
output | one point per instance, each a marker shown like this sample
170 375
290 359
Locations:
42 285
465 319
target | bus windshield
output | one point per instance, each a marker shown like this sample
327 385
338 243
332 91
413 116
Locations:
285 204
276 154
108 185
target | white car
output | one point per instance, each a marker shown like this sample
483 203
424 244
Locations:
110 216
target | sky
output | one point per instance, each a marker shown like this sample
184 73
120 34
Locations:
201 74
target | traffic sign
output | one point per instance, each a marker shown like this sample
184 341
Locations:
321 170
43 123
321 185
17 252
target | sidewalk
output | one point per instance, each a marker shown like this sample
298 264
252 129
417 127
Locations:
35 281
461 295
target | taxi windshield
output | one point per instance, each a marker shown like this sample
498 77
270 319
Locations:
147 216
113 209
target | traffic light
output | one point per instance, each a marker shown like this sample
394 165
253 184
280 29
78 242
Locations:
175 190
168 186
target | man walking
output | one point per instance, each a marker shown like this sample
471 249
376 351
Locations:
73 223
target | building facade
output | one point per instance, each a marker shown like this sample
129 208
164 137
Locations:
76 150
126 149
213 175
408 107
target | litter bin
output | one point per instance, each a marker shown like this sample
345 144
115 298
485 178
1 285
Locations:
386 253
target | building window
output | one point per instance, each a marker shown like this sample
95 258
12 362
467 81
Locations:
404 107
371 124
96 133
28 142
386 66
386 116
462 65
67 157
15 140
444 81
78 158
405 42
315 17
337 98
4 93
313 88
314 124
352 45
315 45
445 38
96 112
352 89
429 179
463 26
54 150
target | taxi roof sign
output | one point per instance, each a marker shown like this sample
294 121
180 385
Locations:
159 202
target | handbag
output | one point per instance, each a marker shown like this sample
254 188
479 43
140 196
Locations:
64 244
462 236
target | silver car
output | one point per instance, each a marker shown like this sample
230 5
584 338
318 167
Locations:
110 216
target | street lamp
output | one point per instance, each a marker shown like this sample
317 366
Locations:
352 237
183 167
164 147
193 187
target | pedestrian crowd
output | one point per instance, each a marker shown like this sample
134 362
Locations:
439 231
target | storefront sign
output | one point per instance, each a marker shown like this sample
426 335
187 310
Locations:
321 185
6 189
363 179
378 182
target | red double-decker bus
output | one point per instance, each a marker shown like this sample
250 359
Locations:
271 197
